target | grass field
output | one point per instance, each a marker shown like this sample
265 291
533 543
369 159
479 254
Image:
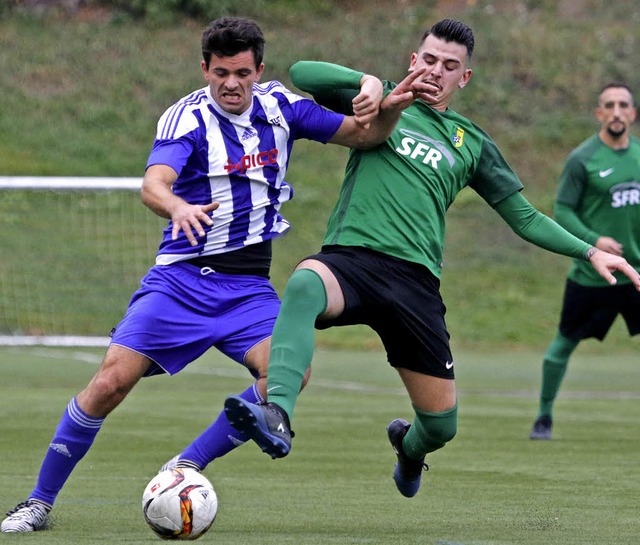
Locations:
490 486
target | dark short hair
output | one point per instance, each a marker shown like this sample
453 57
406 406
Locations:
229 36
451 30
615 85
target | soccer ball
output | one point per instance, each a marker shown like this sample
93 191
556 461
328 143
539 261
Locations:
179 504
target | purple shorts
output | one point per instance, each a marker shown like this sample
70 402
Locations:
180 311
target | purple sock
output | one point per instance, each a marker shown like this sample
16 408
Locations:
73 438
220 437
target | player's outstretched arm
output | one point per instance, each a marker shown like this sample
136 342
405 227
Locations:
157 195
371 122
533 226
606 264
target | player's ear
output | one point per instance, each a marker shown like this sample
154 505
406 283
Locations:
465 78
412 63
599 115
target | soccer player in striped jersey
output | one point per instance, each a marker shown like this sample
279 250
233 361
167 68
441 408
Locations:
217 173
381 258
599 201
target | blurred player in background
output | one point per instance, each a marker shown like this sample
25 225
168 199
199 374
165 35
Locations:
382 255
598 201
216 171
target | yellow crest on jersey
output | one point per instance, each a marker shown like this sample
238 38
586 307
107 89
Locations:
458 137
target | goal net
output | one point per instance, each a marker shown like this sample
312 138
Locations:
73 253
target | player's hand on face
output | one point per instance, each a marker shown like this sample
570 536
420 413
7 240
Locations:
190 218
405 93
367 103
421 90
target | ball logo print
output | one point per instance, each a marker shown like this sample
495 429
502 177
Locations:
179 504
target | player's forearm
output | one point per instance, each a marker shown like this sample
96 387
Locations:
380 128
535 227
355 94
318 77
159 202
331 85
156 193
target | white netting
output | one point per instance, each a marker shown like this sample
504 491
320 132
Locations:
73 252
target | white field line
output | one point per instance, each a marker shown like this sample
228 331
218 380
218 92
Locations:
362 387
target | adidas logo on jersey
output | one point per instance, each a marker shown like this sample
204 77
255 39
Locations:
248 134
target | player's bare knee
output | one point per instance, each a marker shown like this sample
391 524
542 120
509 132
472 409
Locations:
103 394
257 359
109 386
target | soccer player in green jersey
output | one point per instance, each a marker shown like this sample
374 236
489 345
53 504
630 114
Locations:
381 257
599 201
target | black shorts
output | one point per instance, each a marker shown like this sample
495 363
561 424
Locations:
590 311
399 300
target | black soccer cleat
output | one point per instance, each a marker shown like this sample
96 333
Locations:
268 425
541 429
407 472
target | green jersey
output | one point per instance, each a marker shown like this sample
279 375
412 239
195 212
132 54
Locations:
602 187
395 196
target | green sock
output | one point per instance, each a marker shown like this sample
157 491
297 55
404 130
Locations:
293 339
554 367
429 432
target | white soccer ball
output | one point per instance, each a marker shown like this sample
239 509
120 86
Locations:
179 504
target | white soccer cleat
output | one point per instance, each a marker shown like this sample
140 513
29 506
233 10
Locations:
173 464
170 464
27 516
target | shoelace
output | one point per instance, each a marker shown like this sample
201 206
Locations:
22 505
18 507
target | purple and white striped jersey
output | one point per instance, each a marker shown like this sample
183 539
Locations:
239 161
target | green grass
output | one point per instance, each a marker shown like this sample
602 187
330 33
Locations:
490 486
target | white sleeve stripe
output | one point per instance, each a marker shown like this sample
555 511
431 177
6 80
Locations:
173 115
267 88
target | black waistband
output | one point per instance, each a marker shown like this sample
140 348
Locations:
254 260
